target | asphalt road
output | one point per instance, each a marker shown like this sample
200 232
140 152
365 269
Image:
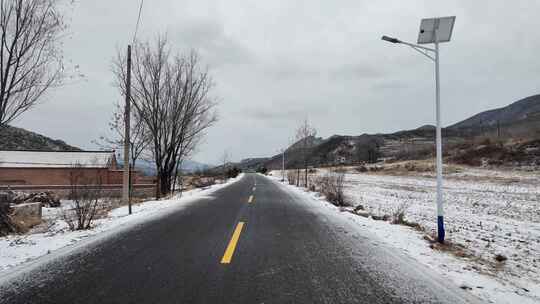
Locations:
286 251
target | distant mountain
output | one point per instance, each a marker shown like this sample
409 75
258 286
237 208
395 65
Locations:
252 163
520 120
12 138
248 164
149 168
519 111
332 150
192 166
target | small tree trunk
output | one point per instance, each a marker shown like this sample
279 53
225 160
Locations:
164 184
176 178
305 177
158 182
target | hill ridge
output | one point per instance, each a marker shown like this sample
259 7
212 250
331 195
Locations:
14 138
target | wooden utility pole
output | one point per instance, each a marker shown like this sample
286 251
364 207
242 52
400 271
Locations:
127 143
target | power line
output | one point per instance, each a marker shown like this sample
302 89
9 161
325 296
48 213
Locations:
138 21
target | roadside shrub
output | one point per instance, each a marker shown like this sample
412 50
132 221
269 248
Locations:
292 176
233 172
202 182
332 186
262 170
81 214
398 215
85 193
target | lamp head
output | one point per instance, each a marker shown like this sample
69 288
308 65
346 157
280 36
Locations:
390 39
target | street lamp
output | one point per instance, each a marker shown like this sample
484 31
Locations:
434 30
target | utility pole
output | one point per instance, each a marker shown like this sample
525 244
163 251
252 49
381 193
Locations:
126 197
283 166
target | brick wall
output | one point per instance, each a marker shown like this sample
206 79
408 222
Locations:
59 176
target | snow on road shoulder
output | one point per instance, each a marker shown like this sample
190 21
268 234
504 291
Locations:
18 250
464 272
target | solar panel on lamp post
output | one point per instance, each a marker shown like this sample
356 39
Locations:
434 30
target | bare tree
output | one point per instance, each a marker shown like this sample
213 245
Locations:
30 58
139 136
85 193
305 136
225 159
171 94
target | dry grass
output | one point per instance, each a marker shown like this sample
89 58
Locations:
332 186
414 167
457 250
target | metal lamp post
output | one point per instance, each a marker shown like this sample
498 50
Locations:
434 30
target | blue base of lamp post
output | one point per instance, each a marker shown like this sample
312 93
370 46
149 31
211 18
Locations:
440 229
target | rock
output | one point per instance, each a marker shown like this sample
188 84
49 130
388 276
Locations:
362 213
26 216
27 210
361 169
500 258
359 207
55 201
7 197
47 198
380 218
20 197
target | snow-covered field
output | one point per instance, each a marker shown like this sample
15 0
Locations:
488 212
16 250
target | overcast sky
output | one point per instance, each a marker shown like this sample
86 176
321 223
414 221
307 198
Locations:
278 62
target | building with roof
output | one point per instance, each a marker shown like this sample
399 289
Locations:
58 167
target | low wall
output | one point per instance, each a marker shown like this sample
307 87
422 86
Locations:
139 190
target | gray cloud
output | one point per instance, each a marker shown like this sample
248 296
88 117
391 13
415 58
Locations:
214 45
